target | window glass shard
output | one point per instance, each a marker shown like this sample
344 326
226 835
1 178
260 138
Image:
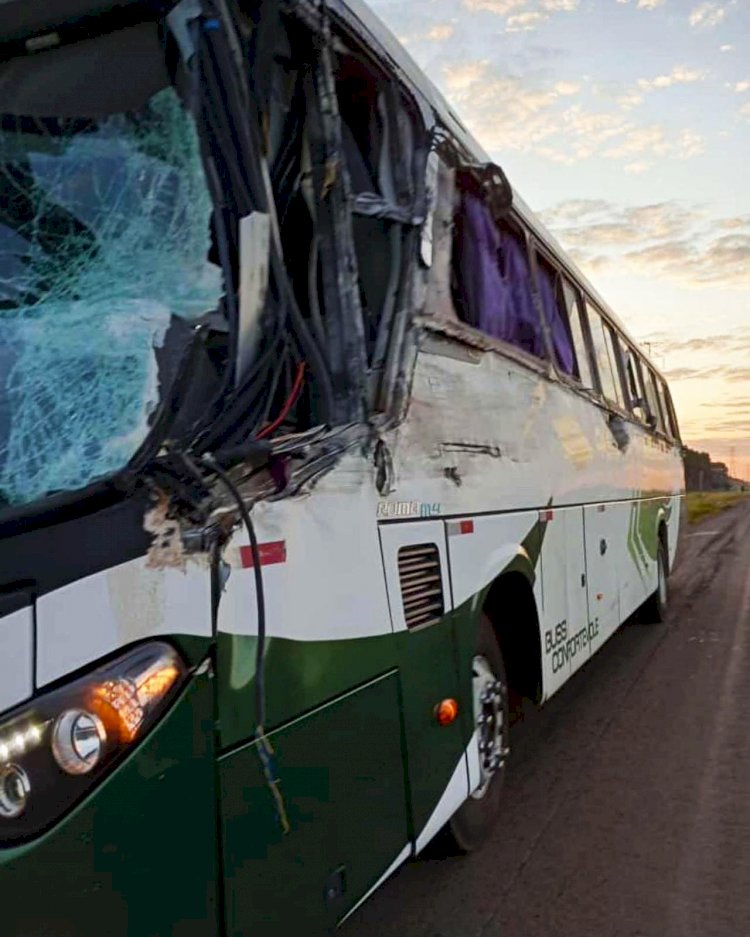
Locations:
104 236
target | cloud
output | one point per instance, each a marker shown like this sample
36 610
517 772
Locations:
566 87
637 167
440 31
744 111
524 22
501 7
630 100
649 4
707 15
690 143
563 6
680 75
460 76
722 261
667 240
742 86
725 343
734 224
737 375
741 403
554 118
649 139
727 47
682 374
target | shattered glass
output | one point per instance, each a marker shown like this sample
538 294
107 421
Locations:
104 236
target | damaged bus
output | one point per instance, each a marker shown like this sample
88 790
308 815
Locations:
317 455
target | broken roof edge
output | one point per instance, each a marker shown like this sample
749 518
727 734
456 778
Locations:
358 16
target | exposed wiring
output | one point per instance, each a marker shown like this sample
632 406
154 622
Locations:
265 749
288 404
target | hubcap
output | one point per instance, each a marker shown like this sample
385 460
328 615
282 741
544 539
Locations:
489 719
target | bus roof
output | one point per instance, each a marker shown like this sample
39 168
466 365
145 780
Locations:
363 21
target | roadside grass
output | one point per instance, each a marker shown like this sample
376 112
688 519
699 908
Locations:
704 503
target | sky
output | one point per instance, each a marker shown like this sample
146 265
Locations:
625 124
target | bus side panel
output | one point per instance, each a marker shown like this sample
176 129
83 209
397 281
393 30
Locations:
138 857
438 782
566 629
604 552
341 788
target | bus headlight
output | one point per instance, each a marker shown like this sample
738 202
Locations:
55 748
78 740
14 790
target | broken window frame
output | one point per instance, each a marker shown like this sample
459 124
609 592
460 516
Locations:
393 346
498 197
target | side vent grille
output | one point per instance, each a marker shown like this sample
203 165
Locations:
421 584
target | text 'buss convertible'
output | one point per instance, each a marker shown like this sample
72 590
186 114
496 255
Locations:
317 454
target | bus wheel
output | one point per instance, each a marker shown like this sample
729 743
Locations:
472 823
655 609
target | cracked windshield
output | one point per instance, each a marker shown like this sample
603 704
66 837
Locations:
104 236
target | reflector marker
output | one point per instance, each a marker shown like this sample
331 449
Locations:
270 553
456 528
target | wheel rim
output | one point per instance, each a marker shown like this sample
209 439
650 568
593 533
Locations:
489 722
662 581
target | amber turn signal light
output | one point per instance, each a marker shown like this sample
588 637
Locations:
446 712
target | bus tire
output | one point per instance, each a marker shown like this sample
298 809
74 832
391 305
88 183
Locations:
472 823
655 608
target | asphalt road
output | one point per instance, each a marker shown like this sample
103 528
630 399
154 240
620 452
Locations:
627 805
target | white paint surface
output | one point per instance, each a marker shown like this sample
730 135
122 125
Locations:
16 657
452 797
398 861
331 585
85 620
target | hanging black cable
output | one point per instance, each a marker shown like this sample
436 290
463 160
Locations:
265 749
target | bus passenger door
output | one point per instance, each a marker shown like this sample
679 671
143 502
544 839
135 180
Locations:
601 572
416 570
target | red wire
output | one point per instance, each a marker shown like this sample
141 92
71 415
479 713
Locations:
288 404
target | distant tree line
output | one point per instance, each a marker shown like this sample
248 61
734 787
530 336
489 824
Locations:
701 474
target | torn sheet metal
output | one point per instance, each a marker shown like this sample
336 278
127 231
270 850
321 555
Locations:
255 242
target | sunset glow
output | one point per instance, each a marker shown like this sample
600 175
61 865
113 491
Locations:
626 125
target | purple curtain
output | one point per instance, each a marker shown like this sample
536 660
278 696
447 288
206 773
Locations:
483 297
556 321
527 332
494 280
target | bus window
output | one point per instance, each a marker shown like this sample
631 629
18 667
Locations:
666 415
670 413
606 357
570 297
615 359
492 282
652 399
634 381
554 312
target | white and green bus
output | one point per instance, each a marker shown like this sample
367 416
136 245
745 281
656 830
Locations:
317 456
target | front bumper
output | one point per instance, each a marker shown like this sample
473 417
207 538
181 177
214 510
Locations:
137 858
